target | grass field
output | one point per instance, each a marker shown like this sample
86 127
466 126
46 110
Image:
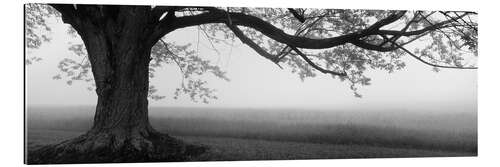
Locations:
238 134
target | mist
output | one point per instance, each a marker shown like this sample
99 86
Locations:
258 83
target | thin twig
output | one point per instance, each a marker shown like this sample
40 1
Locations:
320 69
174 57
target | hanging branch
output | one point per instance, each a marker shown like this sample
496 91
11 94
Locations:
426 62
320 69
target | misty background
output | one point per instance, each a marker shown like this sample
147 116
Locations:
258 83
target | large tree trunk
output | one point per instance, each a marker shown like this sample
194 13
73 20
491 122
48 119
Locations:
119 55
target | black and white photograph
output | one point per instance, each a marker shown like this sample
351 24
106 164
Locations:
132 83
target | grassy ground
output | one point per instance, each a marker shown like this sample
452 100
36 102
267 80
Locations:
231 149
264 135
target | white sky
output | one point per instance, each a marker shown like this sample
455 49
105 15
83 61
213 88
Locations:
258 83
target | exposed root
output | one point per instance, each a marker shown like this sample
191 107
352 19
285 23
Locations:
112 148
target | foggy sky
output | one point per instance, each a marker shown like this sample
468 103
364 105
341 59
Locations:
258 83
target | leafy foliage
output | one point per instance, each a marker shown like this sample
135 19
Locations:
191 66
36 24
36 29
452 44
446 46
163 53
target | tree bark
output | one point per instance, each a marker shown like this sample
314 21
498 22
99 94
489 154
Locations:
119 54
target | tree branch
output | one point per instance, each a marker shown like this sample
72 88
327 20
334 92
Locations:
426 62
68 12
418 32
320 69
386 21
456 20
286 50
368 46
276 59
174 57
297 15
404 29
220 16
252 44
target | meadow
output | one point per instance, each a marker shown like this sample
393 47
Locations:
271 134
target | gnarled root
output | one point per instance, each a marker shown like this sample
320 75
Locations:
113 147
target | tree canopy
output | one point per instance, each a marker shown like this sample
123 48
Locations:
343 43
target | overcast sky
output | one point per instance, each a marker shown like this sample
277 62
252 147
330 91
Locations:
258 83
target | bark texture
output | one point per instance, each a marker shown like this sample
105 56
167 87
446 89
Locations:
117 43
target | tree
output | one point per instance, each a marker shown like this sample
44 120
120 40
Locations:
124 44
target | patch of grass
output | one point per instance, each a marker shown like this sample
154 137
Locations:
233 149
340 134
305 127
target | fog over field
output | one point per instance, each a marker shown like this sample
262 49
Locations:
451 121
445 131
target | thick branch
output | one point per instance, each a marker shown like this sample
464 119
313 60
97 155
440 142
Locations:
297 15
286 50
219 16
368 46
275 59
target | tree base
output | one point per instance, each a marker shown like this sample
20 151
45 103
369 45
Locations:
107 148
